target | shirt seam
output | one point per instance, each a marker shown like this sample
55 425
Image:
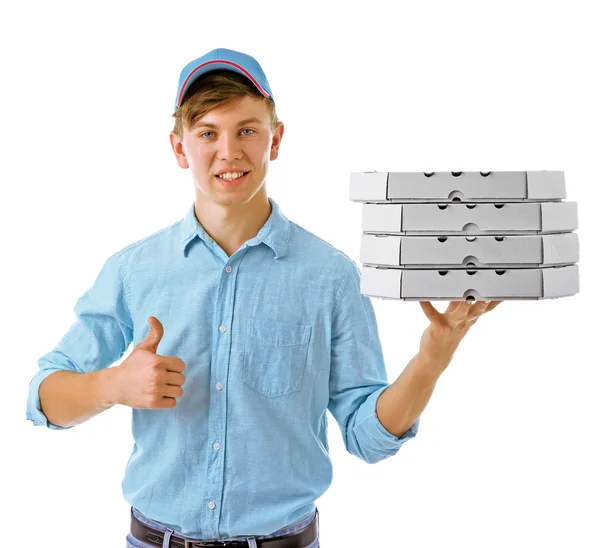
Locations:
126 291
288 229
337 298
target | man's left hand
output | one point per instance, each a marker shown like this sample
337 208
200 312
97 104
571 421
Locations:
447 329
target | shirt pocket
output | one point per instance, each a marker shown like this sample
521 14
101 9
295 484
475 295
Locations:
275 356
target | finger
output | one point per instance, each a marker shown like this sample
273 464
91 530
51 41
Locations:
491 306
463 308
430 311
452 307
486 306
477 310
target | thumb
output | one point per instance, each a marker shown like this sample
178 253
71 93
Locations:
153 337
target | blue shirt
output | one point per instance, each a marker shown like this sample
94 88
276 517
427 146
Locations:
271 337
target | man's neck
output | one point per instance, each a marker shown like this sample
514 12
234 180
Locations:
230 227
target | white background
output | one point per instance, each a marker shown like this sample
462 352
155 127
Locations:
507 453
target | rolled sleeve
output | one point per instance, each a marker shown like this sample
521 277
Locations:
34 408
100 335
358 375
373 435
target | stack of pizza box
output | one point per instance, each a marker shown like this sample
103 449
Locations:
478 236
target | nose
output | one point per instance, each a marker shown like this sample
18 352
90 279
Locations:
229 147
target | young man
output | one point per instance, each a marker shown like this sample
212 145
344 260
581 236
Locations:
266 320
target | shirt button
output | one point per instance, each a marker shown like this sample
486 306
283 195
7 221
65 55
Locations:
228 269
217 445
223 328
219 386
211 505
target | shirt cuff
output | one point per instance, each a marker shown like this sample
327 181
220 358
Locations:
34 408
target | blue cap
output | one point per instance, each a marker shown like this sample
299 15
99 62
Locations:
227 59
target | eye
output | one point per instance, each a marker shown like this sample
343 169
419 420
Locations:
203 134
248 129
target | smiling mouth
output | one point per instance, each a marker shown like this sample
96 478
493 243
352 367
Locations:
230 179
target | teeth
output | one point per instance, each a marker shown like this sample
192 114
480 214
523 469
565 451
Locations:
231 175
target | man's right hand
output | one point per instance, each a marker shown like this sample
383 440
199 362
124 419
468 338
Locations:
147 380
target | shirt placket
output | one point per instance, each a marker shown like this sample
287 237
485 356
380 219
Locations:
217 413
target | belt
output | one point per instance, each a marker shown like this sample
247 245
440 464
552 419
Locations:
155 537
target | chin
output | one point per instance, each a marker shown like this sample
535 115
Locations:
226 199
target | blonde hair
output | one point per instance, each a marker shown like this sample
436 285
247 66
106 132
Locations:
213 90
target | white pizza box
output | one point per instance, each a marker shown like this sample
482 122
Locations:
461 186
472 219
470 251
478 285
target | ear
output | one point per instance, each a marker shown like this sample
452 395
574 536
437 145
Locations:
276 141
177 147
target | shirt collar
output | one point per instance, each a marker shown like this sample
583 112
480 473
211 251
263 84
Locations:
274 233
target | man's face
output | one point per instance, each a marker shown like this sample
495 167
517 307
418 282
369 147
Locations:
234 137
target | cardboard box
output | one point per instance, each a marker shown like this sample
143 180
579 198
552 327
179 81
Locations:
488 285
470 251
471 219
462 186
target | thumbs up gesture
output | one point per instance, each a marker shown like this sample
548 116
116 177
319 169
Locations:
147 380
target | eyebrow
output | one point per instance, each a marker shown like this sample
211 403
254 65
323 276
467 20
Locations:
242 123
